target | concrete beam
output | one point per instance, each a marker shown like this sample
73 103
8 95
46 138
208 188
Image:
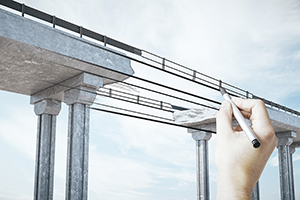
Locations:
87 82
34 56
205 118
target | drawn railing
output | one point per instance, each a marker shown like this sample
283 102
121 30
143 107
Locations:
285 147
158 62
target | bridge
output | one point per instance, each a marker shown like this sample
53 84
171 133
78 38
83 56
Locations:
53 66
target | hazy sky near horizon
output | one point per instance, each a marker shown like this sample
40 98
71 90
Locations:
252 44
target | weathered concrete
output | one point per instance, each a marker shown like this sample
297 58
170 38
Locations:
292 150
205 119
196 116
202 165
52 66
85 83
255 193
79 98
291 169
45 148
47 106
285 139
78 152
34 56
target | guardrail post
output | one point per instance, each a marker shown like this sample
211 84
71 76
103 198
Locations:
285 139
23 9
201 139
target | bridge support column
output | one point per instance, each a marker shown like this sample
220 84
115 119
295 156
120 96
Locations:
201 139
255 194
79 99
285 139
291 177
293 147
47 110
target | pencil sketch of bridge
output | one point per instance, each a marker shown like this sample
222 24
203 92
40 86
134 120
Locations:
53 66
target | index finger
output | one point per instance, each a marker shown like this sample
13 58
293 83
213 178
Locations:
224 118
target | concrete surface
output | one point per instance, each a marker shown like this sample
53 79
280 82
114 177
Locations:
86 83
78 152
45 148
205 118
34 56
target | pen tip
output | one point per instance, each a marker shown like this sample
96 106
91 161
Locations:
222 90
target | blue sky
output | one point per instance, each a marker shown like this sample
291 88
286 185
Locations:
251 44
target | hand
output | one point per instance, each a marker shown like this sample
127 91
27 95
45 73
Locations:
240 165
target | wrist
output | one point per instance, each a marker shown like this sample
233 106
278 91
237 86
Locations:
234 186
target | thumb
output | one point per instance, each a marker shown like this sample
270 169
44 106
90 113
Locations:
224 118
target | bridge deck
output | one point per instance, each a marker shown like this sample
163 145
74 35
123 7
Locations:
34 56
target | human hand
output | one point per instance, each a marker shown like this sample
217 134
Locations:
240 165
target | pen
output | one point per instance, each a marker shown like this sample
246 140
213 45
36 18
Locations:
241 120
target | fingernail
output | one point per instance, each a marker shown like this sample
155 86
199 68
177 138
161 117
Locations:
237 100
224 104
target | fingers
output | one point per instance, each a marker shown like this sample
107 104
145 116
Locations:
224 118
256 111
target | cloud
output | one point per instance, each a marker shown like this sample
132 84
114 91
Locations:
274 161
296 157
251 44
18 129
116 177
15 197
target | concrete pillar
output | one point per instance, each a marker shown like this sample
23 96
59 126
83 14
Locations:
291 178
79 99
255 194
47 110
293 147
201 139
285 139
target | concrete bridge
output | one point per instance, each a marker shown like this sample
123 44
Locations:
52 66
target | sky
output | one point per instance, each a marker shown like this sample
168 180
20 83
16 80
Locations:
254 45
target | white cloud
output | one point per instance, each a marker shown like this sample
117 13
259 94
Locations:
15 197
19 129
251 44
274 161
296 157
116 177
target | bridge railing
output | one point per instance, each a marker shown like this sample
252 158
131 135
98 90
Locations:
160 62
